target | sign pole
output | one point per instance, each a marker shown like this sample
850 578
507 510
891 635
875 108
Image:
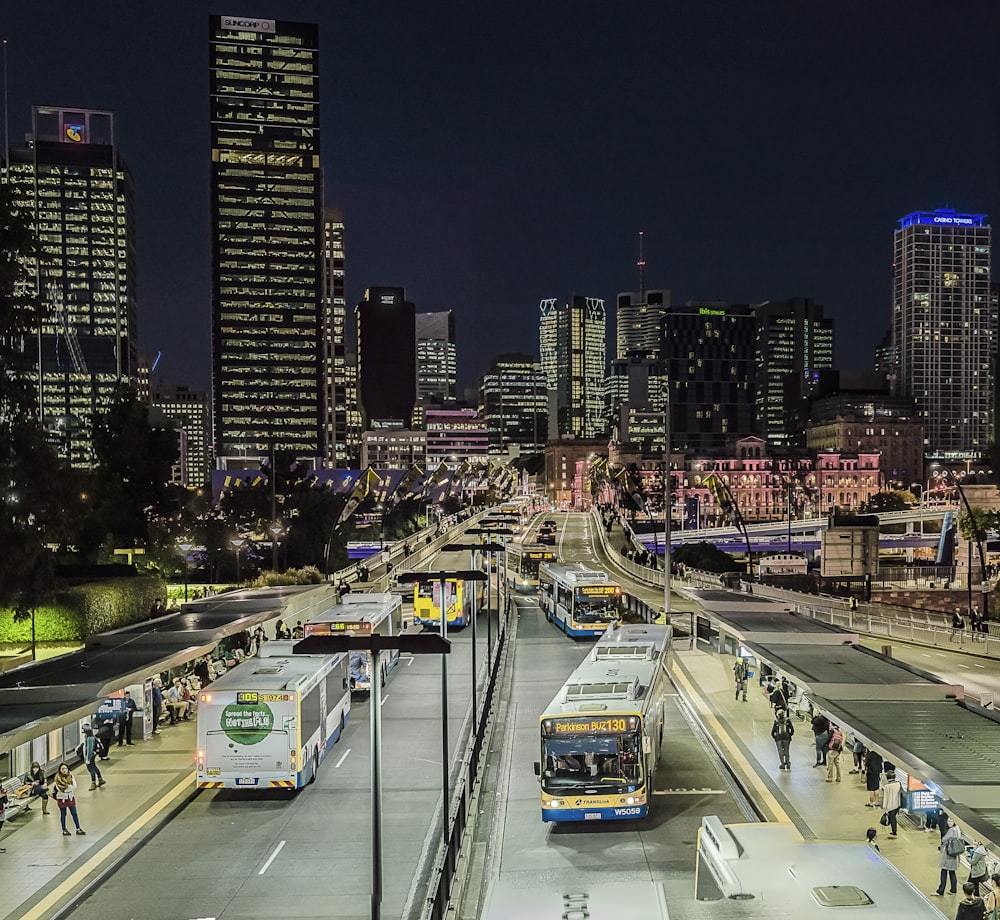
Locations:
375 703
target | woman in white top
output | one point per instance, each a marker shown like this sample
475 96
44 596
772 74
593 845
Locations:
892 796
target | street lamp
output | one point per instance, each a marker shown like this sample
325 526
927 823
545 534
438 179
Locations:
238 544
276 531
185 548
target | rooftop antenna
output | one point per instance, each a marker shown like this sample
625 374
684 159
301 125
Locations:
642 270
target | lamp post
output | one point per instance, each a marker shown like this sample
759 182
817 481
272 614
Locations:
276 531
666 503
185 548
237 544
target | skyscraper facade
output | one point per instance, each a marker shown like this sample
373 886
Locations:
437 360
269 328
514 396
341 395
77 189
387 358
185 410
794 343
708 358
944 329
572 344
638 321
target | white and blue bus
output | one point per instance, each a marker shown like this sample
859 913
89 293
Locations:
582 602
601 735
360 614
270 721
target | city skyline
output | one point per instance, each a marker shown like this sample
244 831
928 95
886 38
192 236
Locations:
485 158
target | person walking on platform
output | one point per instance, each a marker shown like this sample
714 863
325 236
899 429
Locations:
740 674
125 719
779 697
873 771
782 731
821 736
90 757
892 798
833 754
64 790
971 907
952 845
157 704
957 626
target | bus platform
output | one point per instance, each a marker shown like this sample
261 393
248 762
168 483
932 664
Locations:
144 785
819 810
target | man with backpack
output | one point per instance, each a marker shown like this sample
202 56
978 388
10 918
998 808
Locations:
782 732
740 673
833 754
90 752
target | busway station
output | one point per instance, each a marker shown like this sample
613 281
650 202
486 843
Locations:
837 676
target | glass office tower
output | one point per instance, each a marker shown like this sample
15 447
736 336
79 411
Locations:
77 189
269 329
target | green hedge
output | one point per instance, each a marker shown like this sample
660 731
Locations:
83 610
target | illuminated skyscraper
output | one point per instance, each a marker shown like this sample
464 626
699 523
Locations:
343 420
74 184
437 361
572 344
639 321
514 396
944 329
270 349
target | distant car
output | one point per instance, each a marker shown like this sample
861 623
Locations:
549 523
546 536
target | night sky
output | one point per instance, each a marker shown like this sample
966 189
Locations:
489 155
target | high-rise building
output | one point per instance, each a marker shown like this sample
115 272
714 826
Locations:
944 329
708 357
73 182
437 362
187 411
341 400
387 358
269 328
455 436
794 343
514 397
572 344
639 320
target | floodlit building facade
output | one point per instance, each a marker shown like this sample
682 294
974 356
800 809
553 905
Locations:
638 321
437 358
514 397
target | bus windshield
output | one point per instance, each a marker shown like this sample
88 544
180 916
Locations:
611 760
602 608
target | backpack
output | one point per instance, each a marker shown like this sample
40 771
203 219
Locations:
782 730
100 748
78 750
954 846
837 742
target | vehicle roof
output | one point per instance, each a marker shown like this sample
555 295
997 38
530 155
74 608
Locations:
275 668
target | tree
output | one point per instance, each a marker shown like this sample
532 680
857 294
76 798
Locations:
882 502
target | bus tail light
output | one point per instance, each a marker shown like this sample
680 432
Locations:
206 697
200 758
293 756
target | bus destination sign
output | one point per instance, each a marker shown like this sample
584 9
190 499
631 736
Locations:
586 726
355 628
599 590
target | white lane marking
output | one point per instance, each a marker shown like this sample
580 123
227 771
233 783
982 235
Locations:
981 666
689 792
342 758
925 655
408 659
384 698
967 668
270 859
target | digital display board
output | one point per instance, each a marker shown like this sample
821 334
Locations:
352 628
590 726
599 590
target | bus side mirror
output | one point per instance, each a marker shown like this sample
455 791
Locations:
647 744
538 768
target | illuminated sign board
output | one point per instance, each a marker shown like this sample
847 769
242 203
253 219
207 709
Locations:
589 726
943 218
599 590
708 311
547 556
74 133
248 25
353 628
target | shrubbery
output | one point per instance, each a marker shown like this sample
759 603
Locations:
83 610
307 575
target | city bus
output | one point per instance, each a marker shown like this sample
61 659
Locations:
763 865
580 601
362 615
270 721
601 735
427 603
522 562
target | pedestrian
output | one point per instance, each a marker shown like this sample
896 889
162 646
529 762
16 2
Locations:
870 836
778 699
3 814
892 798
821 737
833 752
937 817
90 757
971 907
782 732
740 674
853 604
957 625
279 629
64 790
299 630
977 866
157 704
952 845
203 668
125 719
858 753
992 899
873 772
35 778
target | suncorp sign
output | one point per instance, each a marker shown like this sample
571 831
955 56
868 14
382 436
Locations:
248 25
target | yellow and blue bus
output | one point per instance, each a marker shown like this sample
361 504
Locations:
427 603
601 735
582 602
523 560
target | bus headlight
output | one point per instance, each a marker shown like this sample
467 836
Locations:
630 801
554 803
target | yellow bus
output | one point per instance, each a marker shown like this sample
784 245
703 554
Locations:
522 561
427 603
